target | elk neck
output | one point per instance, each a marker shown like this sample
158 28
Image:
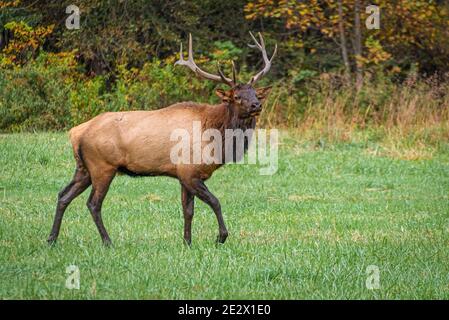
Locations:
232 120
228 119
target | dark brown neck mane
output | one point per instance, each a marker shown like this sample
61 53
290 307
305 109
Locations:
233 122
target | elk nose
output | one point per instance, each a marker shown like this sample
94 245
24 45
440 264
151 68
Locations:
256 106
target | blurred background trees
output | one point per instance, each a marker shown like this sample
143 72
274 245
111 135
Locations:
412 33
122 56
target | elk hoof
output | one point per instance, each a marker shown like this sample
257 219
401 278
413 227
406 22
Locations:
221 238
107 243
51 240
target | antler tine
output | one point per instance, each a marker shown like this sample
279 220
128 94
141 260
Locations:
256 45
222 76
190 63
274 52
190 58
262 44
267 62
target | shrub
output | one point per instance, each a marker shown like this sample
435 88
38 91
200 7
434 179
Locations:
35 96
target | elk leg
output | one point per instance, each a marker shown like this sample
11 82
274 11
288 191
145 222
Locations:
206 196
187 207
100 186
79 183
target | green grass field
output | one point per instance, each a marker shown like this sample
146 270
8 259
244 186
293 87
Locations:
309 231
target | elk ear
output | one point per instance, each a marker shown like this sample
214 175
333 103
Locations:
262 93
224 95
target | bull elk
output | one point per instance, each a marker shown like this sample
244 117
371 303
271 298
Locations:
138 143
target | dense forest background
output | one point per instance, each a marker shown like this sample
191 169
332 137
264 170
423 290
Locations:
331 73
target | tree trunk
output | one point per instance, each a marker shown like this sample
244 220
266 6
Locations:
3 39
358 46
343 43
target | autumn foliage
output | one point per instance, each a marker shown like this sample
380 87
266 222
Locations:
331 69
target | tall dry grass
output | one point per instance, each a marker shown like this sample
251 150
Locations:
409 120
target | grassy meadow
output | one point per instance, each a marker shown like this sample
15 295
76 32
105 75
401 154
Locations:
309 231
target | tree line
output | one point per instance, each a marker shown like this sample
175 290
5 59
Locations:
122 44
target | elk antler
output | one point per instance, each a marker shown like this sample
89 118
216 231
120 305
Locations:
190 63
261 47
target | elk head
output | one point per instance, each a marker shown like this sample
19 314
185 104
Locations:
242 96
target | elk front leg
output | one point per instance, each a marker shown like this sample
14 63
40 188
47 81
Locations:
205 195
187 207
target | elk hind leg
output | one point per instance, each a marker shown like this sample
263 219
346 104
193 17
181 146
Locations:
79 183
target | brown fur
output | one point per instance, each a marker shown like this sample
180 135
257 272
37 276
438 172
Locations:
138 143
